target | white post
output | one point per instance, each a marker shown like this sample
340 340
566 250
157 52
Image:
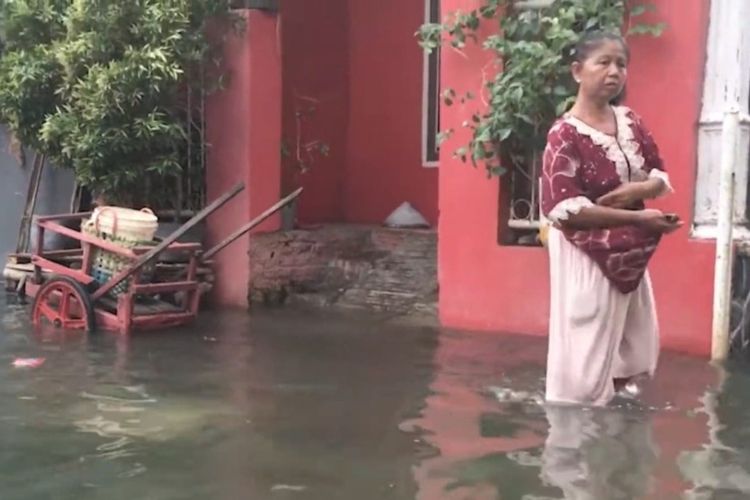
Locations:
724 238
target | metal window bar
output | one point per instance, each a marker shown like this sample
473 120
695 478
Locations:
525 197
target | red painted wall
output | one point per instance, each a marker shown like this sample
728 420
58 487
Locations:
488 287
360 63
384 165
244 130
359 59
315 49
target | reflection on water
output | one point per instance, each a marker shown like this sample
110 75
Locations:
290 406
601 454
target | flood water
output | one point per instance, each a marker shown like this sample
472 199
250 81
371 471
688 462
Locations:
288 406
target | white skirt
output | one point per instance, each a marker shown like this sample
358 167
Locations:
597 333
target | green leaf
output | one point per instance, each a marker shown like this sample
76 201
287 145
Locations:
443 136
497 170
504 134
639 10
525 118
563 106
658 29
461 153
592 23
655 30
448 96
483 136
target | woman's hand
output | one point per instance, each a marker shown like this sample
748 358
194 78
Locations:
624 196
630 193
656 221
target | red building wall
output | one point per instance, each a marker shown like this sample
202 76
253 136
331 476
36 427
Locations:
360 60
243 127
485 286
315 49
384 162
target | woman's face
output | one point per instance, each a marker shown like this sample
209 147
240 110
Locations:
602 75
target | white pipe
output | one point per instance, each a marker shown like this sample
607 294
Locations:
724 238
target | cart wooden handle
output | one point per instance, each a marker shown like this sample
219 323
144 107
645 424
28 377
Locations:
151 255
251 225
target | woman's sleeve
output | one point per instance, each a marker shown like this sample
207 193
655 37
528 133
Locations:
562 192
653 163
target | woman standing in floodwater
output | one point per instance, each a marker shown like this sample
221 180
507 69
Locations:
599 167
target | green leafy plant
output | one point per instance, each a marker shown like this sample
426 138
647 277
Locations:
112 89
29 71
531 87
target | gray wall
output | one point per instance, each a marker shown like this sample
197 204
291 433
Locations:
54 193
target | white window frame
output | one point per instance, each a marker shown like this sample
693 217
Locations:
726 85
426 131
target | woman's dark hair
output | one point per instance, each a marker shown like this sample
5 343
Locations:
592 40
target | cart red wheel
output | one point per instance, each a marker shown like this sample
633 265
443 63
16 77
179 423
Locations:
63 303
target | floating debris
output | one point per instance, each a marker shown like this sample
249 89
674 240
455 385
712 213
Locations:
288 487
28 362
507 395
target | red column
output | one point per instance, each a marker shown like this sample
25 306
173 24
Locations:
244 134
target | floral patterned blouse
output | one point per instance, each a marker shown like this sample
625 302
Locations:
580 165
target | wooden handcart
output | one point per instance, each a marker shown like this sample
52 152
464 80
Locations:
66 296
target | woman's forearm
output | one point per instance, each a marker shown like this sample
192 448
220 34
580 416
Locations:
652 188
597 217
